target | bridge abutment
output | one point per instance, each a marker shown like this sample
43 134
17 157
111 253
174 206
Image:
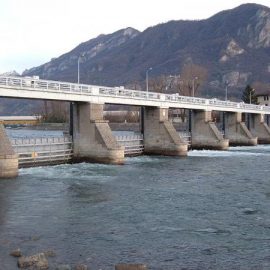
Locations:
204 132
259 128
236 130
160 136
8 159
92 137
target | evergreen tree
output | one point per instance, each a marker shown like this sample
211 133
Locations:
249 95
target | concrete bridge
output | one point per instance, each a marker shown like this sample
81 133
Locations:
92 136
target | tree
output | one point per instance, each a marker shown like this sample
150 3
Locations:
54 112
249 95
158 84
193 76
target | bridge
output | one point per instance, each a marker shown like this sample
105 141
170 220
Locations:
93 139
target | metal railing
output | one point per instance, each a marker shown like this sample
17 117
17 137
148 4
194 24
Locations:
133 144
34 151
34 84
186 136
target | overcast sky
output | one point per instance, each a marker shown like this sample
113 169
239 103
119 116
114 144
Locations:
34 31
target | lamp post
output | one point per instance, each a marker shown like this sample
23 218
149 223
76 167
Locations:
193 85
79 58
251 92
147 78
226 90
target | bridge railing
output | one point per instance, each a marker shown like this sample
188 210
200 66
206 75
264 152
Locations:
83 89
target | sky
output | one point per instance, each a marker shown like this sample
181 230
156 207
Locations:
34 31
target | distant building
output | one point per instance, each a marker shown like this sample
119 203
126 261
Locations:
263 99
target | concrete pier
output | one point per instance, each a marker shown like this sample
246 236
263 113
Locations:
236 130
205 134
160 137
259 128
8 158
92 137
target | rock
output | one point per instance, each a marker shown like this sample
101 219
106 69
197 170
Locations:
249 211
49 253
81 267
38 261
123 266
63 267
16 253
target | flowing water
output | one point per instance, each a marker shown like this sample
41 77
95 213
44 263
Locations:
210 210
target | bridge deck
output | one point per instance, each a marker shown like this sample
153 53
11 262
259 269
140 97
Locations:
30 88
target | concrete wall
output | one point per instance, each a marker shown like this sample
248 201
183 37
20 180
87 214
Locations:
205 134
259 128
160 137
92 136
236 130
8 158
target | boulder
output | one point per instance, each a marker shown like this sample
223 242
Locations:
63 267
16 253
38 261
123 266
81 267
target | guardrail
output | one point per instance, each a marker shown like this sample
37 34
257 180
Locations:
49 150
29 83
186 136
133 144
56 150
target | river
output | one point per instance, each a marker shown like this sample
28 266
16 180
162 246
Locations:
210 210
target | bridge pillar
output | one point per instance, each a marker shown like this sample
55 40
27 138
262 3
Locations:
236 130
205 134
259 128
160 136
92 137
8 158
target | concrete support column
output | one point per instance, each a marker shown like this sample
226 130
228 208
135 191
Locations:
92 137
8 158
205 134
259 128
160 136
236 130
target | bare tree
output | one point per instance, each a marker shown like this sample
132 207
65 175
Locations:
158 84
193 76
54 111
135 85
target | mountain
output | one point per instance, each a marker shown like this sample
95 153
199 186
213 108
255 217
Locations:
12 73
233 46
90 53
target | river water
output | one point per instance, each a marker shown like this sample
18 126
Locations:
210 210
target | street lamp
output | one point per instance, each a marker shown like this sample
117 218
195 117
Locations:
251 92
79 58
193 85
147 78
226 90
